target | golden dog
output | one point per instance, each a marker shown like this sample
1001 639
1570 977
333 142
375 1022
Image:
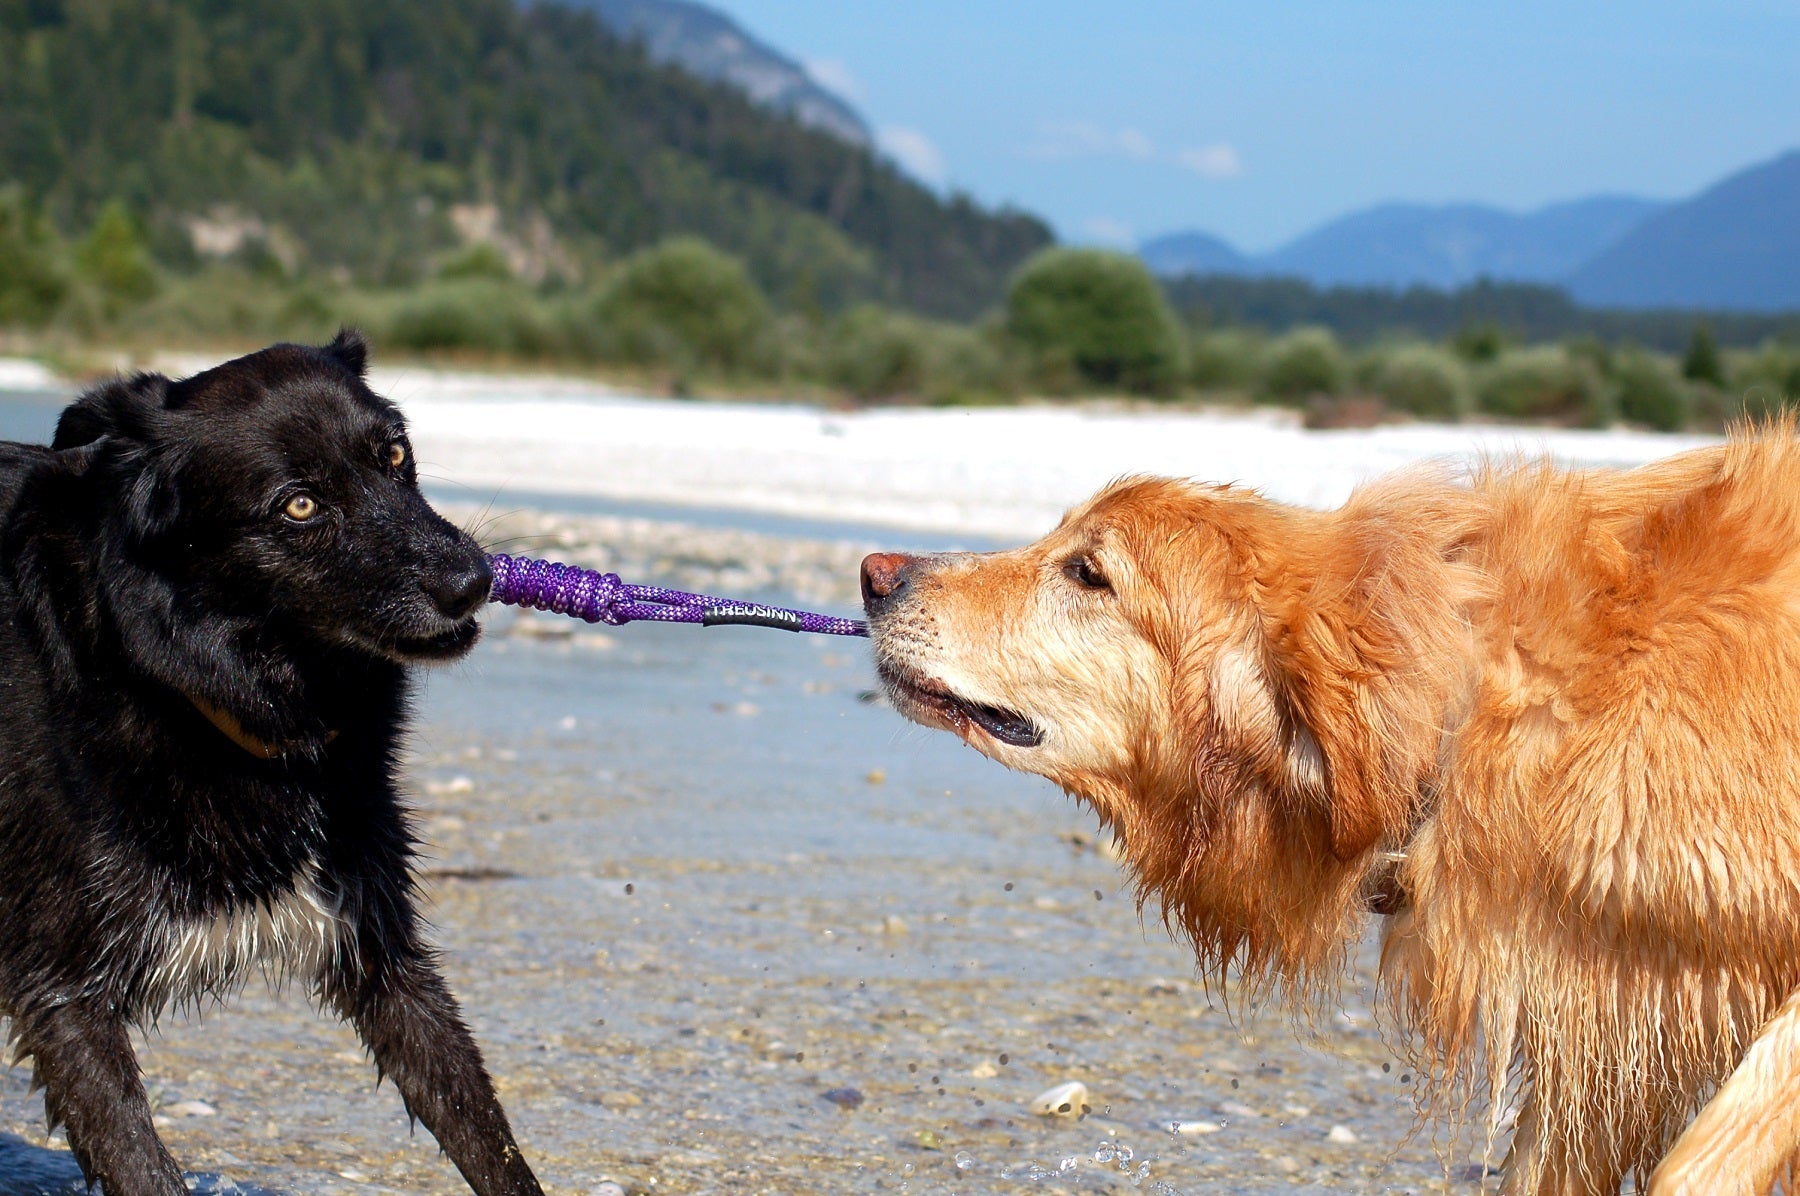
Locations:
1543 722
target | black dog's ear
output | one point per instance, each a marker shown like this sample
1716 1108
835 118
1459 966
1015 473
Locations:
123 407
115 424
352 350
153 501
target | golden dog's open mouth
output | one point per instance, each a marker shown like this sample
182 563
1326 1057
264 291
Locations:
933 702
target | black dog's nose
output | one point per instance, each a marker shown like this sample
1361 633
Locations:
884 578
458 592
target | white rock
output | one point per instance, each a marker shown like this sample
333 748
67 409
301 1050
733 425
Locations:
1341 1134
1064 1100
1194 1128
189 1108
983 1071
543 627
18 373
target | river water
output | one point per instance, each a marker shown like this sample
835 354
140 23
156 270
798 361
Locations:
688 882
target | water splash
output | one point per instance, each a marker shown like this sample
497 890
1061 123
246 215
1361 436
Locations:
1111 1154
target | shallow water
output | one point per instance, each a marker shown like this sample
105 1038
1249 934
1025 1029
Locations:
687 883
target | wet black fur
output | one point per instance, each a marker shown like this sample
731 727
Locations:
147 563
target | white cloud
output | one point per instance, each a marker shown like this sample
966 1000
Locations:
1134 144
1216 161
916 153
835 75
1107 231
1070 140
1058 140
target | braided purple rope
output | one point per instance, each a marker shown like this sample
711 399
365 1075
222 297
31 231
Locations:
603 598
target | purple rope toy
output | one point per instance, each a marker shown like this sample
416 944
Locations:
602 598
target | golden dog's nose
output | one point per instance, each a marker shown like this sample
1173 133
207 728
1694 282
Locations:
883 577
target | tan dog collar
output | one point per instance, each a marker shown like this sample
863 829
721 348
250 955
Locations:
233 730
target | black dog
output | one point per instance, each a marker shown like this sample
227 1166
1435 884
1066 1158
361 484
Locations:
210 591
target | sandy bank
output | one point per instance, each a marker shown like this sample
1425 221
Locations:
1005 471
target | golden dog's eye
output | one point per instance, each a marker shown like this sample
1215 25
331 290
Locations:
301 507
396 454
1087 574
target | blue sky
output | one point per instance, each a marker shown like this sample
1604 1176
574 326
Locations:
1258 121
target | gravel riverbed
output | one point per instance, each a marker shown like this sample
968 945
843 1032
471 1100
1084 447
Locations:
724 924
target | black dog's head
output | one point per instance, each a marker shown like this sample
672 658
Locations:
264 514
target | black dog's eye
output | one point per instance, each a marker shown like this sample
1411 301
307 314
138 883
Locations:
1087 574
301 507
396 454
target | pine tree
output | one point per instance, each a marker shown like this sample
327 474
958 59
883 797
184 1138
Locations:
1701 363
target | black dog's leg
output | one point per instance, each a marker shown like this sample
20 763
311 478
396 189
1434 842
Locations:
82 1057
408 1019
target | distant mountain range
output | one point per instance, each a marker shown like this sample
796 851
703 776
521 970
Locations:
709 44
1735 246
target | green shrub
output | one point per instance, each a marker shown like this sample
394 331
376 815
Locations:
1650 393
1423 380
477 261
1768 379
115 255
1225 359
874 352
221 301
1713 408
32 283
684 303
1303 363
1544 383
968 366
1592 350
1481 342
480 314
1089 316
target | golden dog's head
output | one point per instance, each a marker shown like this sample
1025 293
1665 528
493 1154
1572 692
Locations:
1243 690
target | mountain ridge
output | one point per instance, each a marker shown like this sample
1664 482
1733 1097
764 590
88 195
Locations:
1735 245
1399 244
710 44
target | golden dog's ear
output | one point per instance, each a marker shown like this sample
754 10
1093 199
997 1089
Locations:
1360 809
1256 722
1318 680
1364 654
1292 734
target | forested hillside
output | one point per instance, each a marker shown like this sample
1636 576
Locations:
372 140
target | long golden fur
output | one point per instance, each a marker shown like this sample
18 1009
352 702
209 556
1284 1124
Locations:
1546 723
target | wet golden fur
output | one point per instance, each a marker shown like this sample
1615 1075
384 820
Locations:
1549 720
